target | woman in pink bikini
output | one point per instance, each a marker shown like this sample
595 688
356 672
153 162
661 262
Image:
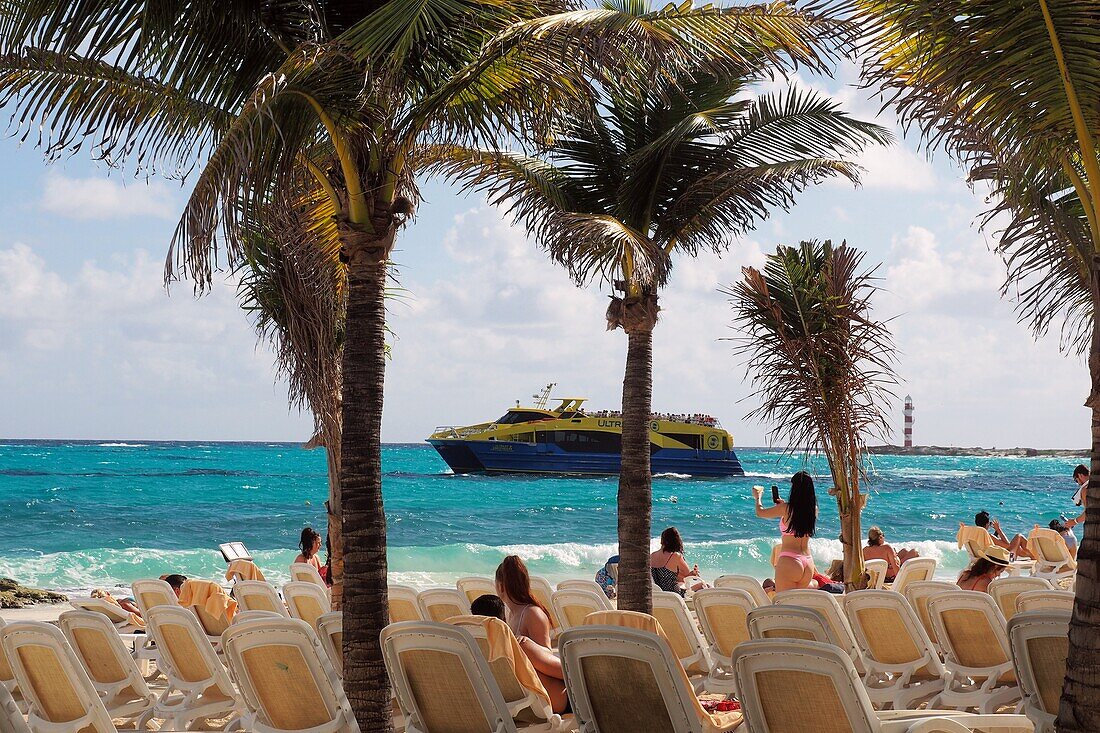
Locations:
797 518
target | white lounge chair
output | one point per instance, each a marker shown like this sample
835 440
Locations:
975 540
572 606
258 595
117 615
723 616
304 572
11 716
876 571
440 604
902 667
60 696
1006 590
1053 559
287 686
683 636
330 630
441 679
790 685
7 678
746 583
1040 645
473 588
113 672
402 604
198 685
832 611
918 593
914 570
580 584
624 680
213 623
971 631
152 593
306 601
543 591
790 622
1045 600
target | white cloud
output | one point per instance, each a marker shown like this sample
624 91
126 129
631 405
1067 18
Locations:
102 198
896 168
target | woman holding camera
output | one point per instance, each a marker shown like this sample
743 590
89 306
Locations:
797 519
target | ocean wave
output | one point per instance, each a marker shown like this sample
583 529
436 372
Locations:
122 445
673 475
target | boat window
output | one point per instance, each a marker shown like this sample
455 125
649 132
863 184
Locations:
691 440
520 416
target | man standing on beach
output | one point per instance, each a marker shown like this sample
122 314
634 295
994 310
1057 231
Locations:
1081 476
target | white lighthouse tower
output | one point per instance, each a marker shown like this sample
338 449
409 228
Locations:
908 421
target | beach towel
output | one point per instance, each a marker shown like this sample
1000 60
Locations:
971 533
245 569
503 645
210 596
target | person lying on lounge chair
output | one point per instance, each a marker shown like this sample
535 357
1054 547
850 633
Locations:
126 604
1017 545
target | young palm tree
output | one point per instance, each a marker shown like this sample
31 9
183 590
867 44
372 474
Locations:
1022 115
821 366
665 166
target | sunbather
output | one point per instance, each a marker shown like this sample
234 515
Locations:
310 544
126 604
1059 526
984 570
530 622
176 581
797 519
877 549
1016 546
668 566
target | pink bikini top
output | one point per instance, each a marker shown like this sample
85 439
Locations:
784 527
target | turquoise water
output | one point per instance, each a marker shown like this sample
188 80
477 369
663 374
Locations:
78 515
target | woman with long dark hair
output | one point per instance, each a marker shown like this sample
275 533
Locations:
797 521
668 566
530 622
310 545
984 570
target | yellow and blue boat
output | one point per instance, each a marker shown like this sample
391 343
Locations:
568 440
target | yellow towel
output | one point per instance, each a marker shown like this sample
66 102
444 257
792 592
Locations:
971 533
712 722
503 644
210 596
246 569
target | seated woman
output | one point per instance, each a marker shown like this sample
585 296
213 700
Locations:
310 544
877 549
668 566
797 517
530 622
1063 529
984 570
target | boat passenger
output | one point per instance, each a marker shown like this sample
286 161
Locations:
794 568
668 566
530 622
310 544
985 569
877 549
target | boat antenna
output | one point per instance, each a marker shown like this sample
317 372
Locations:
543 397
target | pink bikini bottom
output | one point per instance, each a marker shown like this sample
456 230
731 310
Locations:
805 561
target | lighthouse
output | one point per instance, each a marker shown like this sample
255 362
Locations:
908 421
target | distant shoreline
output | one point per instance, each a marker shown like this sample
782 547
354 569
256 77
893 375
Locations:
939 450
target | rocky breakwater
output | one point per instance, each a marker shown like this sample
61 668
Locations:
939 450
13 595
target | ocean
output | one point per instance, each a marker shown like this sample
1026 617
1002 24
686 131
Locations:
84 514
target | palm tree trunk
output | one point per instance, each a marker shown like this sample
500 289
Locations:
335 518
635 478
1080 707
364 521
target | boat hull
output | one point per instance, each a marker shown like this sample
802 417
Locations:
500 456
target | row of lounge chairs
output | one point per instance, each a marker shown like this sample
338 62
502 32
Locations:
1053 562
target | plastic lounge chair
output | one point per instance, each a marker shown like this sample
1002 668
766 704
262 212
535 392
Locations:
790 685
580 584
543 591
572 606
473 588
971 631
305 601
624 680
243 616
876 571
60 696
833 612
790 622
113 672
1045 600
902 667
683 636
117 615
918 593
442 680
258 595
975 539
213 624
913 570
1040 645
723 614
285 683
152 593
304 572
1005 591
402 604
507 662
746 583
7 678
330 630
198 685
1054 561
440 604
11 717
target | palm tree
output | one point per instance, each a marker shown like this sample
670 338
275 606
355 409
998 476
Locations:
821 366
663 165
1009 88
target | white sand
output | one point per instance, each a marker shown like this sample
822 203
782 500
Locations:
41 612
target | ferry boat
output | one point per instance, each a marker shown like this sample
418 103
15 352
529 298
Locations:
568 440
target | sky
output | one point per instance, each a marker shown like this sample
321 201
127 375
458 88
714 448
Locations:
92 346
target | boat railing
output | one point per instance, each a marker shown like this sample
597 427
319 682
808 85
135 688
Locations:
456 431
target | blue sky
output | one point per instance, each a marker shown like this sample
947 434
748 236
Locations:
91 346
